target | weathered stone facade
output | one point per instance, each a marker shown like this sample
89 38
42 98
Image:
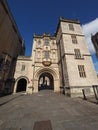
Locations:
58 62
75 57
11 45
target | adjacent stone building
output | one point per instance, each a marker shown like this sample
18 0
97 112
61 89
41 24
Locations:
94 39
59 62
11 45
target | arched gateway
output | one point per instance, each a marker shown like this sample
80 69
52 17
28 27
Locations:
46 78
56 63
46 81
21 84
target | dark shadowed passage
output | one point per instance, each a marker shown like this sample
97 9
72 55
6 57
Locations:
21 86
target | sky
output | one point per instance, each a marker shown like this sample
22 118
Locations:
39 16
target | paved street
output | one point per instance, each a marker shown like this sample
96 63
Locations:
21 112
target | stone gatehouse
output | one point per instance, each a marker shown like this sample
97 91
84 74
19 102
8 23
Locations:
62 61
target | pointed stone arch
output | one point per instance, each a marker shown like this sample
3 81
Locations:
49 70
46 81
52 72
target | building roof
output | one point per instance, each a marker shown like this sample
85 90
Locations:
76 21
60 20
69 20
24 58
44 35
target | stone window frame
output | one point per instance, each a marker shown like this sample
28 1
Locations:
77 54
74 39
46 42
81 70
23 67
71 27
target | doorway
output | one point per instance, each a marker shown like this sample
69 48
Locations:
46 81
21 85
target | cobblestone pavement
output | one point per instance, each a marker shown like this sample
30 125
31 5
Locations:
20 112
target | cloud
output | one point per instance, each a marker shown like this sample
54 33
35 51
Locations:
89 29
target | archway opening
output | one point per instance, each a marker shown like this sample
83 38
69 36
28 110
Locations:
21 86
46 81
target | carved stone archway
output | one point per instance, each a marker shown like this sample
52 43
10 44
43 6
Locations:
49 71
46 81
